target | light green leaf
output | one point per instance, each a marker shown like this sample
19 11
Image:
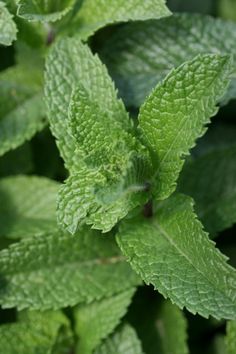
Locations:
176 112
172 252
51 271
96 321
94 15
27 206
139 55
172 328
211 180
35 332
227 9
69 63
231 337
22 112
44 10
8 28
124 340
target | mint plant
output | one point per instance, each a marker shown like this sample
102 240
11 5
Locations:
115 178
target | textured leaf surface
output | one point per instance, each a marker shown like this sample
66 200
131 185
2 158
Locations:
8 28
96 14
96 321
44 10
22 112
51 271
172 328
176 112
231 337
27 205
172 252
124 340
35 333
69 63
211 180
139 55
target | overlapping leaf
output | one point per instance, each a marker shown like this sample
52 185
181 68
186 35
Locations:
44 10
94 15
27 206
176 112
96 321
8 28
51 271
139 55
231 337
172 252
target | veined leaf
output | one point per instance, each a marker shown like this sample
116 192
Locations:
94 15
231 337
51 271
176 112
124 340
172 252
8 28
22 112
211 180
138 55
44 10
69 63
96 321
27 205
34 333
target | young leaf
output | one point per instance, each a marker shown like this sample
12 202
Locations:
69 63
176 112
44 10
8 28
51 271
138 55
231 337
124 340
96 321
35 333
28 206
94 15
210 179
172 252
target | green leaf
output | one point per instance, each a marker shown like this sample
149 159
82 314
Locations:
231 337
34 333
44 10
94 15
22 112
139 55
8 28
27 206
172 327
227 9
96 321
69 63
210 180
176 112
124 340
172 252
51 271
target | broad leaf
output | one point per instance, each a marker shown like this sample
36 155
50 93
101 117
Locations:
34 333
172 252
124 340
96 321
211 180
93 15
8 28
27 206
231 337
176 112
51 271
44 10
139 55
